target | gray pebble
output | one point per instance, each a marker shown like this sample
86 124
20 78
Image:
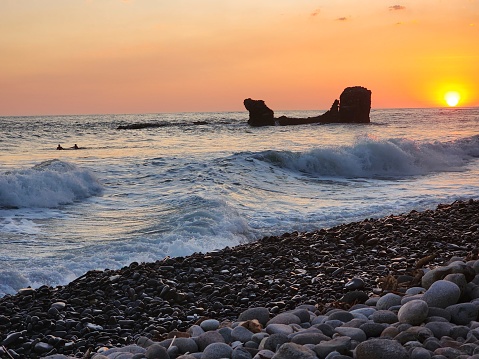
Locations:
388 300
284 318
186 345
439 329
264 354
209 324
372 329
240 353
381 349
367 312
217 351
259 313
384 316
242 334
341 315
156 351
274 341
206 339
294 351
463 313
413 312
354 333
420 353
442 294
338 344
279 328
309 338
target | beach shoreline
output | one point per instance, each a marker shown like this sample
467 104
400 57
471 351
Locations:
113 308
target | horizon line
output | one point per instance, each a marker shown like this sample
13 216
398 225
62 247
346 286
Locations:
228 111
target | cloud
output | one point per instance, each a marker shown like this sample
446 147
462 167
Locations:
315 12
342 18
396 7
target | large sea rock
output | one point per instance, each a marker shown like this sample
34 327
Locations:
353 106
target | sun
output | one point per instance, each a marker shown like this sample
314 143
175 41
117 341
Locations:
452 98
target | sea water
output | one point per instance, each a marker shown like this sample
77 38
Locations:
198 182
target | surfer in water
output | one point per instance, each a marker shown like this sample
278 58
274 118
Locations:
59 147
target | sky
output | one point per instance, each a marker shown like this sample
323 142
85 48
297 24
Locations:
153 56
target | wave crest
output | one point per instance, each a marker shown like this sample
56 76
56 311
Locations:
370 157
49 184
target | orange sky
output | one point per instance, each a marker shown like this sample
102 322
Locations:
144 56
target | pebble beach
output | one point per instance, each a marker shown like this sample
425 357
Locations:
401 286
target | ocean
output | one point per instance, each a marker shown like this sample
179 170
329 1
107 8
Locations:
198 182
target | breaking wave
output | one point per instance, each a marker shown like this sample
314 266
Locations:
49 184
369 157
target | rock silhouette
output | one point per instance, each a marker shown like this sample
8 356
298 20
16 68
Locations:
353 106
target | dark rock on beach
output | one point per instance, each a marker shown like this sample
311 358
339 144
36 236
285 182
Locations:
353 106
281 296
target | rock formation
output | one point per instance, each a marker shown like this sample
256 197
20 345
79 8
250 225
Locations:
353 106
259 113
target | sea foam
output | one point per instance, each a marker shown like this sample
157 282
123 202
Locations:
49 184
372 158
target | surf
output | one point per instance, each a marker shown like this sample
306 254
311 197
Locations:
49 184
369 157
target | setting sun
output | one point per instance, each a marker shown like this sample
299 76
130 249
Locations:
452 98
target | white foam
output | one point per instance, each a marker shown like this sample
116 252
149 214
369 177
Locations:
47 185
370 158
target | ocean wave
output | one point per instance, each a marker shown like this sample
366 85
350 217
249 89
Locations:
49 184
373 158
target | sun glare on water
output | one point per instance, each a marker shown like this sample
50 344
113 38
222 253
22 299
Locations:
452 98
